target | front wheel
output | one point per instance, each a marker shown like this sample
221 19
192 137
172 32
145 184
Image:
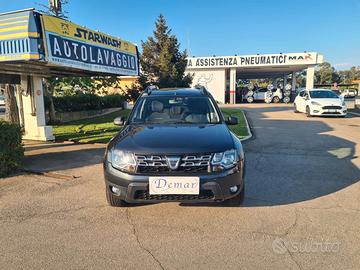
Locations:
250 99
308 114
276 99
238 199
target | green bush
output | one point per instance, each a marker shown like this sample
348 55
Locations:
85 102
11 150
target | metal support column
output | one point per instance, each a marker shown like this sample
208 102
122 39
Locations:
310 78
232 85
293 82
34 110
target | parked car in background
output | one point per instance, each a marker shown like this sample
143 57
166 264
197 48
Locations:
349 93
175 146
320 102
261 94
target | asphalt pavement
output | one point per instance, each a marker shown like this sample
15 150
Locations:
301 211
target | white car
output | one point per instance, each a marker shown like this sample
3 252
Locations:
320 102
262 94
349 93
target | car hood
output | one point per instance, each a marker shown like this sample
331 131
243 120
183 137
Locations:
328 101
174 139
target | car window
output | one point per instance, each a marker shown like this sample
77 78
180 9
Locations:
301 94
322 94
174 109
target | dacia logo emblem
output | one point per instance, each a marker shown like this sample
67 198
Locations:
173 162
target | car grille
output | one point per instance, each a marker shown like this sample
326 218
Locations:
155 164
331 108
331 113
145 195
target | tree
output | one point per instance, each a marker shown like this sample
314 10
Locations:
67 86
326 74
162 62
11 108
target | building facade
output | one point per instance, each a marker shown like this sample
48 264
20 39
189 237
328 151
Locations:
220 74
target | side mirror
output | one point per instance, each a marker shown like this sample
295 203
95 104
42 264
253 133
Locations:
119 121
231 120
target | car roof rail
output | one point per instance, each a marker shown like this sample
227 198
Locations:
150 88
202 88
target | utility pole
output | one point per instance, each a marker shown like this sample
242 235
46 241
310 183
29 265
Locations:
55 6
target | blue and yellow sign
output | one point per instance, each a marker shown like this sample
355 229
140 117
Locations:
78 47
19 36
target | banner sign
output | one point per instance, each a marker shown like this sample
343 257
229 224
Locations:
19 37
253 60
71 45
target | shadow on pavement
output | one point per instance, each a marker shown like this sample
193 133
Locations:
292 161
63 157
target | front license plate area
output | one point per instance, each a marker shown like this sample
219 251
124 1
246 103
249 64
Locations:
174 185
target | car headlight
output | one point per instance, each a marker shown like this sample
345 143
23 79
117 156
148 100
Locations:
224 160
315 103
124 161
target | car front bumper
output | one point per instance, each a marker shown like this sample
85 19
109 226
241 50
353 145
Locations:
213 186
319 111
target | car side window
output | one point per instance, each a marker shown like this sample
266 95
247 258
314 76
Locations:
302 93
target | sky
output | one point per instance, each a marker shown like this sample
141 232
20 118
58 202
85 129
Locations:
228 27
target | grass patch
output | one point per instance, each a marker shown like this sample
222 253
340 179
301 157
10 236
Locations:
101 129
98 129
240 129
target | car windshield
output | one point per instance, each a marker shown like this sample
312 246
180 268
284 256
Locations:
174 110
323 94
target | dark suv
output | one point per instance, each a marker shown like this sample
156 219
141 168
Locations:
175 146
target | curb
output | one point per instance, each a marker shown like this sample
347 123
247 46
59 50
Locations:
50 174
248 129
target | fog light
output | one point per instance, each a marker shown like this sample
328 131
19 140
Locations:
316 111
115 190
233 189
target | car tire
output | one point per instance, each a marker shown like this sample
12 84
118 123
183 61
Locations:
286 100
238 199
115 200
250 99
308 114
276 99
295 108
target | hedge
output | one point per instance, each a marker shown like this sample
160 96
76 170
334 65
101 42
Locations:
11 149
85 102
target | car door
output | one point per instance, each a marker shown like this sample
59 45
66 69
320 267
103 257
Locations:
261 93
300 101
